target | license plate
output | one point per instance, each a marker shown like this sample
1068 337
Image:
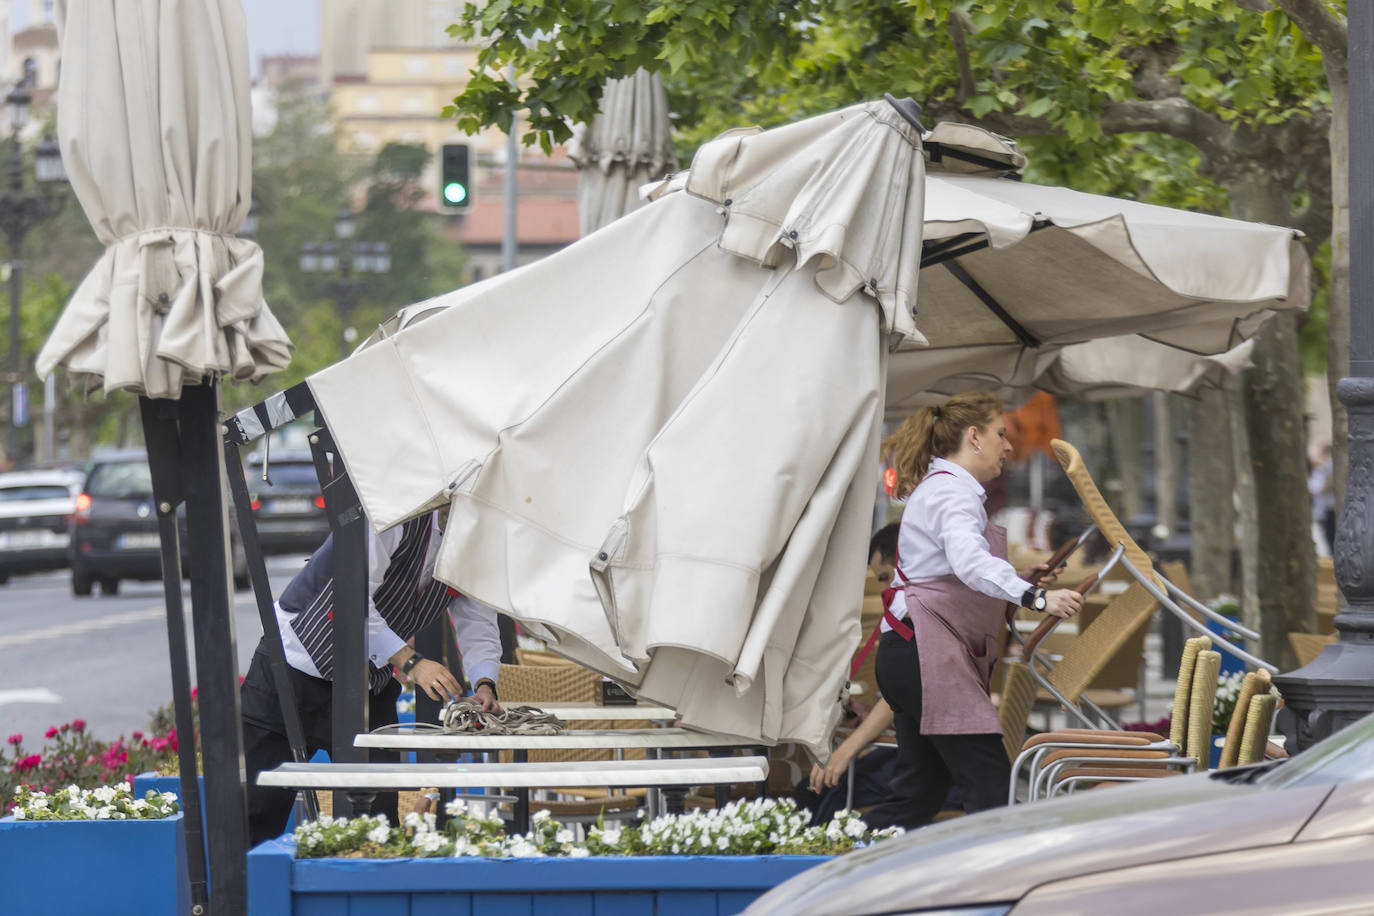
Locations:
27 540
289 506
138 542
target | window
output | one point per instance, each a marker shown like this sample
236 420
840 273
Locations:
34 491
417 66
367 103
122 480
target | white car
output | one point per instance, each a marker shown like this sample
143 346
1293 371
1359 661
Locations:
35 517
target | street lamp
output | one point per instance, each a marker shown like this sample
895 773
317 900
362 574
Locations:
20 211
343 264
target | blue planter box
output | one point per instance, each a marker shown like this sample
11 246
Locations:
279 884
114 868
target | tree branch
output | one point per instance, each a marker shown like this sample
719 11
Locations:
1325 29
959 23
1174 116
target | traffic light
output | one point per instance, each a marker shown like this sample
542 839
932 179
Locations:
455 184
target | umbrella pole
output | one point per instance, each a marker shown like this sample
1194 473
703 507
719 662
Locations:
159 431
207 532
349 715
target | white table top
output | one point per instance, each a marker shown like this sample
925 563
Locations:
573 739
676 772
585 712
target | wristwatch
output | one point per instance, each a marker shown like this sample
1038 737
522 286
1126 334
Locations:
490 683
1034 598
410 662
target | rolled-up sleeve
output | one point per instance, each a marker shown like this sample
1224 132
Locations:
479 639
960 526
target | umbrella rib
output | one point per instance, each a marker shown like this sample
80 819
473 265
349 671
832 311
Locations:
933 252
993 305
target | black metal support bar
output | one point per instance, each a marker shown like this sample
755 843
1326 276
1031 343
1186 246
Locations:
164 462
349 528
207 530
262 591
992 304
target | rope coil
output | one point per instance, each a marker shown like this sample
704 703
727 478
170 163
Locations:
466 717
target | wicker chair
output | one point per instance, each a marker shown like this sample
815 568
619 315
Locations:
568 683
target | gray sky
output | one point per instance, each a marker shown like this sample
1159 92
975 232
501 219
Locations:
274 26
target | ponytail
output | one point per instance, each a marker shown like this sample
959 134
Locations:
933 432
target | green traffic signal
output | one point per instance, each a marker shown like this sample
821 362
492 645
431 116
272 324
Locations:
455 177
455 193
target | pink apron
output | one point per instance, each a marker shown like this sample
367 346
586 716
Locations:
956 630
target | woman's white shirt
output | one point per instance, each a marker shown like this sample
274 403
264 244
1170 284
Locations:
942 534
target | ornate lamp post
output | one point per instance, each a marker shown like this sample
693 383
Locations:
1338 687
20 211
343 265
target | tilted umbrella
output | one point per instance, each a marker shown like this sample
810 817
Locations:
154 123
628 144
660 444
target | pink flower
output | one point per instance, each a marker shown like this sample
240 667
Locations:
28 763
15 739
138 735
78 724
51 732
195 693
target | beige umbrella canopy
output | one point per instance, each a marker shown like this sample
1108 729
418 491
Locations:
666 465
628 144
160 157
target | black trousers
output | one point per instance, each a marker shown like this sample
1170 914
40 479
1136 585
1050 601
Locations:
265 745
927 764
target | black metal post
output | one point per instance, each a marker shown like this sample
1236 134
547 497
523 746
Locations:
164 462
262 591
207 530
350 698
1338 686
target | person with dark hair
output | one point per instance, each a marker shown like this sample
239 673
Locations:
937 651
882 554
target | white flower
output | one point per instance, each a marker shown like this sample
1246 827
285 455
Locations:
104 794
722 844
456 808
412 819
20 814
611 836
379 834
564 836
855 828
578 852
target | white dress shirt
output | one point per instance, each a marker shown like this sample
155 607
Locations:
474 624
942 534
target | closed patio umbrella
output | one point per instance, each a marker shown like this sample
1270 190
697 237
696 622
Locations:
154 126
628 144
660 444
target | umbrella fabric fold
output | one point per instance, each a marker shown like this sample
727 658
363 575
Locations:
628 144
659 445
176 296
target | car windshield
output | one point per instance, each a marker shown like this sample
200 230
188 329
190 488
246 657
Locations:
287 475
122 480
1346 755
33 491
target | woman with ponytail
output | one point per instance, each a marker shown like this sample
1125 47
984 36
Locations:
938 647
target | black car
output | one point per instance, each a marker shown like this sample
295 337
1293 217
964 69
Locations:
35 511
114 528
288 507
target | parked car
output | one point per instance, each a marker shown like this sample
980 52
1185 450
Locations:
35 512
1293 836
114 532
288 510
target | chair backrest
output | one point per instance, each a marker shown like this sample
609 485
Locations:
547 684
1254 684
1178 722
1013 712
1107 523
540 657
1204 695
1099 643
1257 723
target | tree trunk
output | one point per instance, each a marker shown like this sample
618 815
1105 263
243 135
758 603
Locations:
1125 419
1287 562
1247 517
1211 491
1166 465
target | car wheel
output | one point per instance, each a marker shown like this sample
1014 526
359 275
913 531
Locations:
109 586
81 582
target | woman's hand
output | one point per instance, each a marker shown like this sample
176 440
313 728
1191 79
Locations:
1063 602
829 776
